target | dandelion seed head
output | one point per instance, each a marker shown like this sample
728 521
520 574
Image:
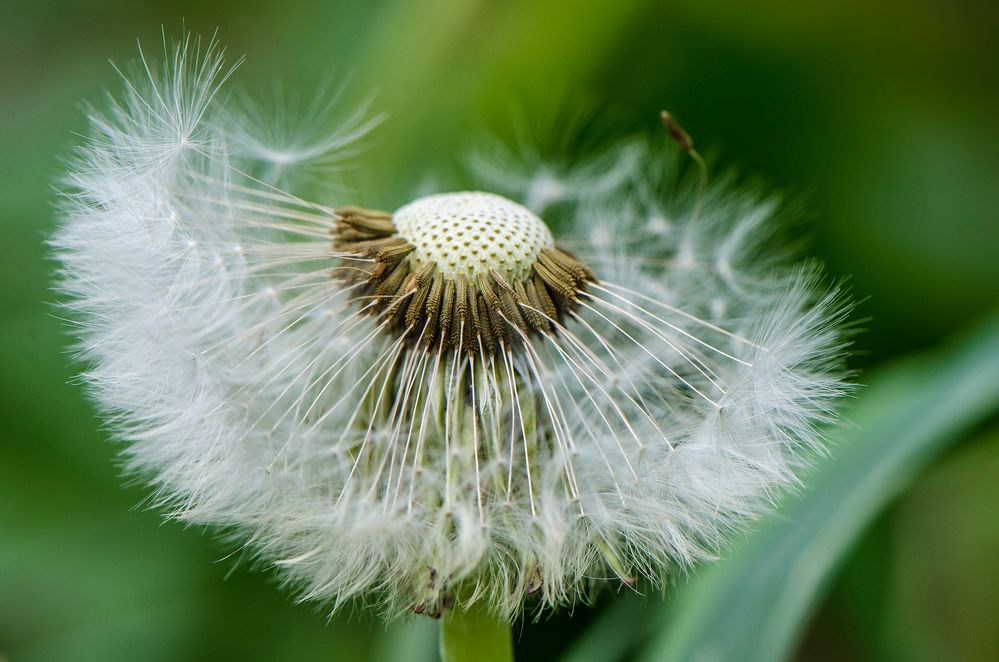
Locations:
446 403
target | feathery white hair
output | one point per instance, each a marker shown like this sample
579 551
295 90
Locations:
670 399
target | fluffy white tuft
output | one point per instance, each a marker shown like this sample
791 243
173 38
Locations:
678 403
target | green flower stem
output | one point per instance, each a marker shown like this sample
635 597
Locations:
475 635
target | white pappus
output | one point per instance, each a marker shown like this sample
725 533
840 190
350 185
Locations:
449 402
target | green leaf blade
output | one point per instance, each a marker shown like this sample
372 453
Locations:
754 605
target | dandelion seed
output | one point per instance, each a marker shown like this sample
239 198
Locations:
445 402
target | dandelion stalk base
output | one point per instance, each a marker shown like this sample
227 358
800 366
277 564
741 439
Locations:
475 634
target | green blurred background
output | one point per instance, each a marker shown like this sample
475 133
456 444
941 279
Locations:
881 116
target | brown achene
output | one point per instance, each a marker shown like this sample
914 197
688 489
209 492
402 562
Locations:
475 313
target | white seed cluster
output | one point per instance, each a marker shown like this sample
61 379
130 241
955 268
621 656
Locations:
472 233
496 426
